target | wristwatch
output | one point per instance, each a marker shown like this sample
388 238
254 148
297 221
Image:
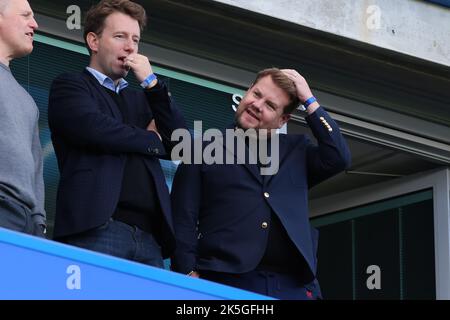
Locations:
43 228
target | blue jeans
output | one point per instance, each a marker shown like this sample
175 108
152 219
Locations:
120 240
17 217
278 285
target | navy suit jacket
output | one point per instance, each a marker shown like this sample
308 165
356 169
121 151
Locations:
91 143
231 202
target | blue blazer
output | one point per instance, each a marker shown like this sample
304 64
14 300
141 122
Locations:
91 144
231 202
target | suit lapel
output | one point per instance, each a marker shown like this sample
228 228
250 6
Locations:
253 168
101 92
282 154
241 157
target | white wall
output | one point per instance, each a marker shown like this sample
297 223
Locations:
412 27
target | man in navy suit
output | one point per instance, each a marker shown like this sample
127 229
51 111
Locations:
249 230
112 196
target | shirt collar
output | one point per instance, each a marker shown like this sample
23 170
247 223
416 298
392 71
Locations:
107 82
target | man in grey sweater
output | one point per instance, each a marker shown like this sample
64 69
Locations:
21 165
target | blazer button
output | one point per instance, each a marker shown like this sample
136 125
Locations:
156 151
264 225
266 194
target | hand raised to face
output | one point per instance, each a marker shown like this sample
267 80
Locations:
140 65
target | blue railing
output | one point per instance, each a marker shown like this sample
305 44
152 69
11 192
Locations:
34 268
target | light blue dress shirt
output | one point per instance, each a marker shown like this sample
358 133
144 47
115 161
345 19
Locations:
107 82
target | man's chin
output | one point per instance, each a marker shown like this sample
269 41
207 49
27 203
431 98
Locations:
123 73
245 124
23 52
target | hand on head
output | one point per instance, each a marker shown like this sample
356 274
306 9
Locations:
303 90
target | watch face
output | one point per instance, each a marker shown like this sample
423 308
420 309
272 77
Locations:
43 228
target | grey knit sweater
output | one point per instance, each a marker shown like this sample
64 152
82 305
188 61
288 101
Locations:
21 165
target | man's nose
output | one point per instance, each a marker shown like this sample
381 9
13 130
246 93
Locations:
33 24
258 104
130 46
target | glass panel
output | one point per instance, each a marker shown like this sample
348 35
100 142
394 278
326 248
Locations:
383 250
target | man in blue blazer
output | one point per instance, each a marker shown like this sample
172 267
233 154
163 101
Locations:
112 196
236 226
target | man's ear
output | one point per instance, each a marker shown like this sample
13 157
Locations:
92 41
284 119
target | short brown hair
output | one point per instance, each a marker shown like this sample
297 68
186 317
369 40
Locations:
96 16
284 83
